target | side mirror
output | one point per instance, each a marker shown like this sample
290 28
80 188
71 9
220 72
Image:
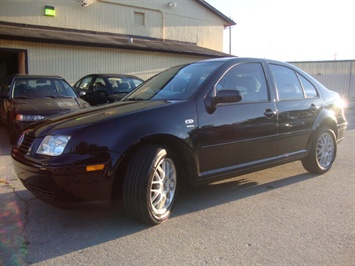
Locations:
228 96
223 96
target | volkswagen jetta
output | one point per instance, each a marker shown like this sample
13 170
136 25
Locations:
194 123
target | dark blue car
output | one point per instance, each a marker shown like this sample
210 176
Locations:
188 125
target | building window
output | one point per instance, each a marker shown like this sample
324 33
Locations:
138 19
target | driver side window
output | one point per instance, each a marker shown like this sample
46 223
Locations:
248 79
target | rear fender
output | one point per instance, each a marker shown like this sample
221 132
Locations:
326 118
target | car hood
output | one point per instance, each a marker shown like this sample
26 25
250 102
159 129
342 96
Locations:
47 106
118 96
96 114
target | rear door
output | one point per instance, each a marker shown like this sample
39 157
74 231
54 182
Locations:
298 105
239 135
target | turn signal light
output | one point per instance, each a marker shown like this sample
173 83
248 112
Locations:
96 167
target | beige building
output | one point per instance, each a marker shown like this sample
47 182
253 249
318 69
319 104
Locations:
72 38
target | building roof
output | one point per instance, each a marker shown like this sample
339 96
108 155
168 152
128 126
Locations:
45 34
228 21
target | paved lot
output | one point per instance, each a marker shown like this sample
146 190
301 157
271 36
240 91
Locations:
280 216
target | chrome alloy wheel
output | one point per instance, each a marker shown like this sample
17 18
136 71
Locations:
325 150
163 186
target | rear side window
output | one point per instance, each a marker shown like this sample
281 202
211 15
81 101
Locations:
287 83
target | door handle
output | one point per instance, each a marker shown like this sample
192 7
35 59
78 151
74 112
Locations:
314 107
269 113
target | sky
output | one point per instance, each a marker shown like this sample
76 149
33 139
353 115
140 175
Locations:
290 30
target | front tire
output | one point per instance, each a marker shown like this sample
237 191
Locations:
150 185
322 152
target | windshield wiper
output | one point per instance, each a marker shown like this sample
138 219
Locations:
135 99
24 97
56 96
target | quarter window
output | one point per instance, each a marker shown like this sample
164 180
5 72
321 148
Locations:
249 79
308 87
287 83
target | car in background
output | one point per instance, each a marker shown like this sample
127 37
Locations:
28 98
106 88
188 125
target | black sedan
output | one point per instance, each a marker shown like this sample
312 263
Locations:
106 88
190 124
28 98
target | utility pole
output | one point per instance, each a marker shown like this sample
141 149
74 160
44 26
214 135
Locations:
230 40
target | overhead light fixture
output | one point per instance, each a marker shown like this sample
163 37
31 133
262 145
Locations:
49 11
85 3
172 4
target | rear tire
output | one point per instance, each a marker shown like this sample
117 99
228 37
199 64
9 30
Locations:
322 152
150 185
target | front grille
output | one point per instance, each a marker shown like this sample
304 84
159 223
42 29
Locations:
41 193
26 143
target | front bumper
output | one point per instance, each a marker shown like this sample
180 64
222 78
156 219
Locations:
67 187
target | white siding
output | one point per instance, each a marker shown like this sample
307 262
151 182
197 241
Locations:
335 75
188 21
73 62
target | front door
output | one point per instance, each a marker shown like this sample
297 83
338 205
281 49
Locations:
239 135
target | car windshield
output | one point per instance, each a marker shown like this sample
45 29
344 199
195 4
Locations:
123 84
42 88
177 83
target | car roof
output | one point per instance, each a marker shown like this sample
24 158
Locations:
36 76
115 75
234 60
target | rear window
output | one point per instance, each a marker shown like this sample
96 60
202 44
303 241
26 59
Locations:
41 87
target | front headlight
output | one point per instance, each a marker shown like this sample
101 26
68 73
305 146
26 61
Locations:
53 145
29 117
